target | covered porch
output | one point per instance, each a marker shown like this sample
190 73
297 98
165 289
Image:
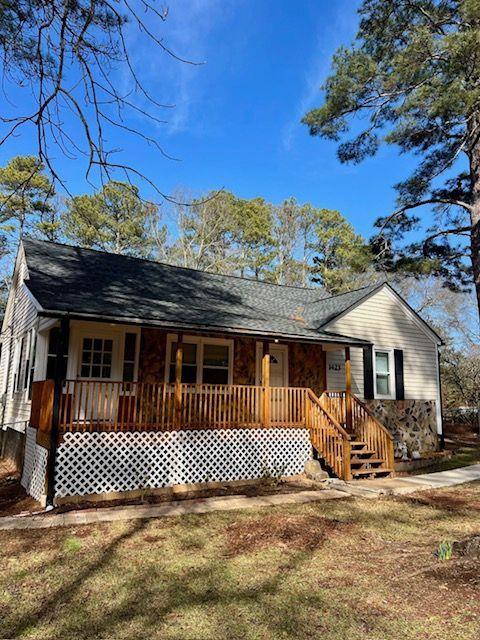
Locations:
121 377
120 404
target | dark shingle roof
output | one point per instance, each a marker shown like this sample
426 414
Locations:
66 279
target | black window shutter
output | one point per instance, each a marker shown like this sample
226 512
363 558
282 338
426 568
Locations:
399 383
368 388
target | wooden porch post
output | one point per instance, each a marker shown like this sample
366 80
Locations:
58 378
177 402
348 389
266 383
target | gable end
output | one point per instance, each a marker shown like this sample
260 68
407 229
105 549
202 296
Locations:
403 304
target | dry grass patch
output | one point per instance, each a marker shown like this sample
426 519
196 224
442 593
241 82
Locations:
291 532
336 570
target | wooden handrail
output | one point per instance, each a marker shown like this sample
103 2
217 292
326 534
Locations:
328 437
370 430
364 425
370 413
334 422
120 406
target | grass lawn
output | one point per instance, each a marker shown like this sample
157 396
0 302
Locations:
348 569
466 451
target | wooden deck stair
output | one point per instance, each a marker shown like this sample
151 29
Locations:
364 461
349 438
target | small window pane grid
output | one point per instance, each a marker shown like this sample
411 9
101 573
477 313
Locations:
96 358
213 370
382 371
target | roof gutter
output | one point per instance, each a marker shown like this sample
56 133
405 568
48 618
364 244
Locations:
331 339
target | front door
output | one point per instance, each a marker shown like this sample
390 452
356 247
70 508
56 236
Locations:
278 366
278 378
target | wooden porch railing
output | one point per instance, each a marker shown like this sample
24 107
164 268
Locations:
121 406
138 406
364 425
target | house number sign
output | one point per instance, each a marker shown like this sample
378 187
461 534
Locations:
334 367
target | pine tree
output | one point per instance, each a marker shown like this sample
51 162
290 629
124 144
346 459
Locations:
115 219
341 255
413 76
26 200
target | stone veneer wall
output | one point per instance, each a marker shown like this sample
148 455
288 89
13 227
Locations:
412 422
244 361
306 363
307 366
151 365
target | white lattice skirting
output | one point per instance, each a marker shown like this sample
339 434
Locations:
89 463
34 466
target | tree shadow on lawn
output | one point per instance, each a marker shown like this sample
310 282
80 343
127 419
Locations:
68 590
232 607
212 597
183 589
156 593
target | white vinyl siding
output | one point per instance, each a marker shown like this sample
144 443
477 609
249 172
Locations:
21 315
382 320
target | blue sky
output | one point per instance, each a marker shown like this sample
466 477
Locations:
236 123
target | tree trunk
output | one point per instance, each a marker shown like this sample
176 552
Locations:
475 215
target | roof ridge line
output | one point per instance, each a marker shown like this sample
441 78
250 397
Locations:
172 266
344 293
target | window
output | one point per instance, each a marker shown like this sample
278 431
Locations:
215 364
384 378
31 363
20 363
53 338
205 360
129 355
189 362
96 358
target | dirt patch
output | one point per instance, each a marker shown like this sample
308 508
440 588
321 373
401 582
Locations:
469 548
294 532
13 497
260 488
466 500
460 574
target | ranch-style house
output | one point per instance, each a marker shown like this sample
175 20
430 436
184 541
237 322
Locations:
119 374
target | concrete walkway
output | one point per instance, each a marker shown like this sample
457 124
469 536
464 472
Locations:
338 489
178 508
402 486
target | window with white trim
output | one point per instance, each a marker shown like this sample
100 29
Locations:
384 376
205 360
19 369
215 363
96 358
